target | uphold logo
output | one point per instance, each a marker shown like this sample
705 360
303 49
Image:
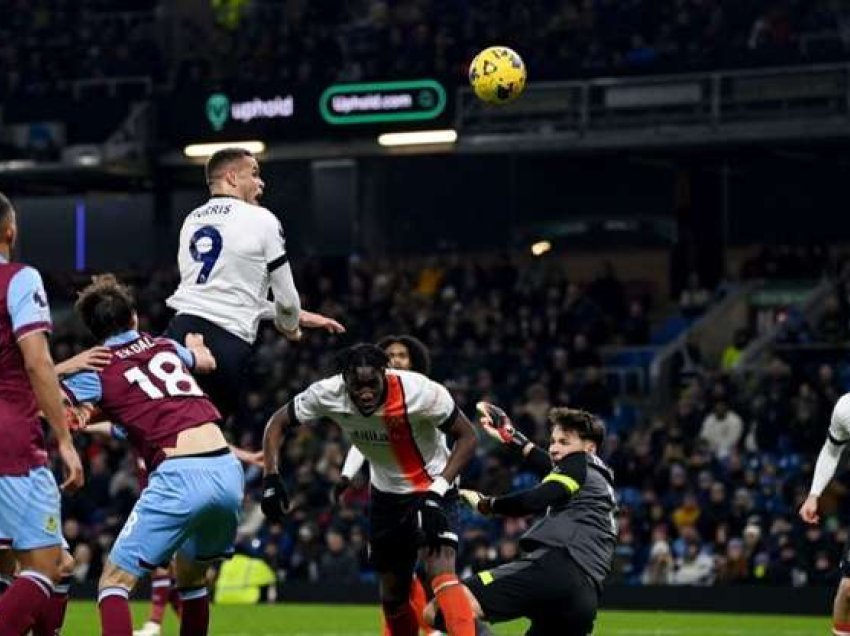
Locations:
218 110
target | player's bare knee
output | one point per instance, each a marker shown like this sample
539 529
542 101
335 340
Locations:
8 563
114 576
190 573
843 591
66 565
441 562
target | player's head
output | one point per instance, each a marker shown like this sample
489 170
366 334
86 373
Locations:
574 430
106 307
406 353
235 172
8 223
362 367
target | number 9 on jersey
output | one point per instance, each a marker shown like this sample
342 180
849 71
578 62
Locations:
205 248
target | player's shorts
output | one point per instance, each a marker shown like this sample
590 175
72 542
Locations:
30 510
191 506
394 532
232 354
545 585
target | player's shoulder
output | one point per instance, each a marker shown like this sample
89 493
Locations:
841 411
330 388
413 382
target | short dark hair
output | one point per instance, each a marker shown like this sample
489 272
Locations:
361 355
106 306
220 159
420 358
587 425
5 207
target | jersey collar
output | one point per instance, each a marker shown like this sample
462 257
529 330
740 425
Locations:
121 338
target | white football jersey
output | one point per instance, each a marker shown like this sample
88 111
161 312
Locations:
401 440
839 425
227 250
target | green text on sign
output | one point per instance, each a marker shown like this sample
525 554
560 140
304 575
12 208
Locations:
380 102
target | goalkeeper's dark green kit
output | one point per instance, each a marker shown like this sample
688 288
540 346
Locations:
566 554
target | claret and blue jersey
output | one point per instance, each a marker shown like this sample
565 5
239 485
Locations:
148 389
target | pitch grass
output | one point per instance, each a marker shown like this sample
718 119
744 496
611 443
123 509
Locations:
363 620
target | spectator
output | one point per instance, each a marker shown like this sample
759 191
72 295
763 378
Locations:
722 429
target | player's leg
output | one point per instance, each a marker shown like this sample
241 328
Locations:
8 568
194 596
448 591
30 522
51 620
160 593
392 552
157 525
113 597
217 485
418 601
841 604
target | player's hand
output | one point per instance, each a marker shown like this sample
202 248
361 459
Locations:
275 502
204 359
496 423
252 458
74 477
312 320
809 510
94 359
478 502
77 418
432 522
339 489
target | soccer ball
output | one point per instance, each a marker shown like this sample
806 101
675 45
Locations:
497 75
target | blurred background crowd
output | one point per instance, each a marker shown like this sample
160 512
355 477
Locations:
47 44
708 488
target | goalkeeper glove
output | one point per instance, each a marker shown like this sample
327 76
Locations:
478 502
275 501
498 425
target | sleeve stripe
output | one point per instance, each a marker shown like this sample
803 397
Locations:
568 482
26 330
835 440
446 423
290 408
278 262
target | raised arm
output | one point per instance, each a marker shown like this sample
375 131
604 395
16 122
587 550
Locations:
836 439
496 423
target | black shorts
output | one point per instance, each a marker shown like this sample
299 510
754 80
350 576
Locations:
232 355
394 532
546 586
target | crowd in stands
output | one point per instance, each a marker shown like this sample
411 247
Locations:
49 43
708 491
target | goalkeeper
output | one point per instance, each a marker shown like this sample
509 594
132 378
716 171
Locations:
566 554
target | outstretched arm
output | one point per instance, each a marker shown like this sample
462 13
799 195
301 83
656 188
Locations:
836 439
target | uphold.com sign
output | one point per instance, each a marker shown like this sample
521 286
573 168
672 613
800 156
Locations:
220 109
380 102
